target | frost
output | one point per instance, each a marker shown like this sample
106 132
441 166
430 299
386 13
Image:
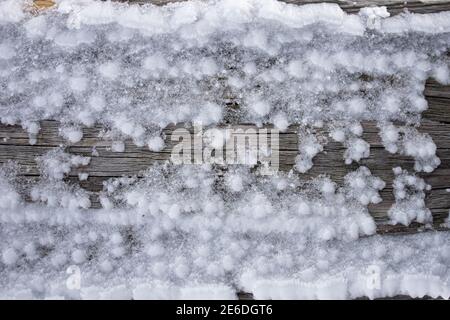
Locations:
373 16
281 122
165 65
349 136
156 144
9 256
390 135
372 274
363 186
56 163
409 199
118 146
72 134
422 148
356 150
78 256
83 176
177 232
409 141
11 11
9 197
308 148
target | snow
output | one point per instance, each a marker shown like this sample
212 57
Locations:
281 57
410 199
156 144
308 148
159 209
281 122
6 51
11 11
368 275
9 198
185 231
9 256
356 150
78 84
118 146
72 134
373 15
109 70
260 108
56 163
407 140
78 256
234 183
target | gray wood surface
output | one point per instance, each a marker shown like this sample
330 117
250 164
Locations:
14 145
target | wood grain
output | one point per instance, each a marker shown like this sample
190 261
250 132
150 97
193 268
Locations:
14 145
14 142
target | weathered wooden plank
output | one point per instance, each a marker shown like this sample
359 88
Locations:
437 90
437 110
14 145
95 136
330 161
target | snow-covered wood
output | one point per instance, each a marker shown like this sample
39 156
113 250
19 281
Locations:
14 145
40 180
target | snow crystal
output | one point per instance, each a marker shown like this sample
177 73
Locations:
409 141
109 70
310 240
72 134
83 176
9 256
368 276
156 144
349 136
373 15
9 197
78 256
118 146
260 108
282 66
281 122
234 182
56 163
308 148
11 11
356 150
181 232
409 199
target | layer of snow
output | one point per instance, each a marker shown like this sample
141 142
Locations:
409 192
282 63
178 237
187 231
374 267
